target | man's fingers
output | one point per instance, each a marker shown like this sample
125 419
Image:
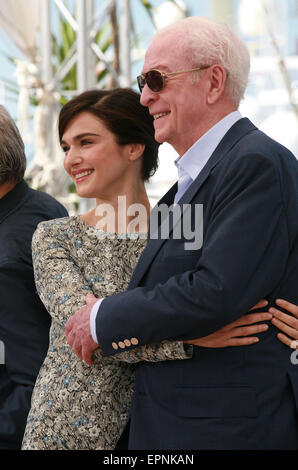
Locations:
242 341
72 320
287 306
69 324
261 304
287 341
249 330
87 356
284 317
78 335
70 330
284 326
70 337
251 318
83 351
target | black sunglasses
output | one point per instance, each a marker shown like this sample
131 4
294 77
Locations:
156 80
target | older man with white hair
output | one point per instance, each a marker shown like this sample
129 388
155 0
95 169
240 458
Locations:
194 76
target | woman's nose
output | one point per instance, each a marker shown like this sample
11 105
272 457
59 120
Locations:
74 154
72 159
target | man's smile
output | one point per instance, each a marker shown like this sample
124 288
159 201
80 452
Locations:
159 115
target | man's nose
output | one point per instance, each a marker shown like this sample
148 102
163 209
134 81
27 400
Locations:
148 96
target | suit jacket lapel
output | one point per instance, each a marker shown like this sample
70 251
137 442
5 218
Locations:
237 131
145 257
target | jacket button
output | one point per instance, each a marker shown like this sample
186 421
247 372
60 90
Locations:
121 345
134 341
115 345
127 342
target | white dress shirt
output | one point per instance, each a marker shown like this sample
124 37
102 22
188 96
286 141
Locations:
189 166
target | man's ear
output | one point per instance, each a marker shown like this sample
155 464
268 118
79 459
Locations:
135 151
217 83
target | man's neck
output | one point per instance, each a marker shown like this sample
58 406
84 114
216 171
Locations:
6 187
203 125
216 116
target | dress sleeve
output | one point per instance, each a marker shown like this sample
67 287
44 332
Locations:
62 288
59 281
156 352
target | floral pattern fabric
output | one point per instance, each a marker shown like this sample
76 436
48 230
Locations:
76 406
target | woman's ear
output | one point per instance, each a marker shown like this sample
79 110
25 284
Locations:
218 77
135 151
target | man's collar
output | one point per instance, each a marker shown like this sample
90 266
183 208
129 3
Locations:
12 198
199 153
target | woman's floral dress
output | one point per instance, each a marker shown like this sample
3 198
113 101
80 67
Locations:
75 406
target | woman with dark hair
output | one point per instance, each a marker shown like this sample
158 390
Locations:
108 141
110 151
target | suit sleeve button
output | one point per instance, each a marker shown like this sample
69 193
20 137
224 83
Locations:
115 345
134 341
121 345
127 342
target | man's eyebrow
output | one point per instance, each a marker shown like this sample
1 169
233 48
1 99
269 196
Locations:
80 136
162 68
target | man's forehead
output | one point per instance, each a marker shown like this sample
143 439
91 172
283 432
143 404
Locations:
162 55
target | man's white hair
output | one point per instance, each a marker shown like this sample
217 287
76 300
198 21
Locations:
207 42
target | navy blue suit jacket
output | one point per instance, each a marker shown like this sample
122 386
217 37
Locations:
230 398
24 321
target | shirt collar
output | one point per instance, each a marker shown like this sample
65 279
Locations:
196 157
12 199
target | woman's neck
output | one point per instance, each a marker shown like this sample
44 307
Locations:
125 213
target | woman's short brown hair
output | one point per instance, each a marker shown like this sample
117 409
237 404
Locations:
121 112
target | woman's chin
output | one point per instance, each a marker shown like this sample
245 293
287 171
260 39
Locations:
85 194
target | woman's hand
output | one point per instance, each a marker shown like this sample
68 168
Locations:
286 323
238 333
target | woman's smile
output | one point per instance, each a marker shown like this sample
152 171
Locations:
81 175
